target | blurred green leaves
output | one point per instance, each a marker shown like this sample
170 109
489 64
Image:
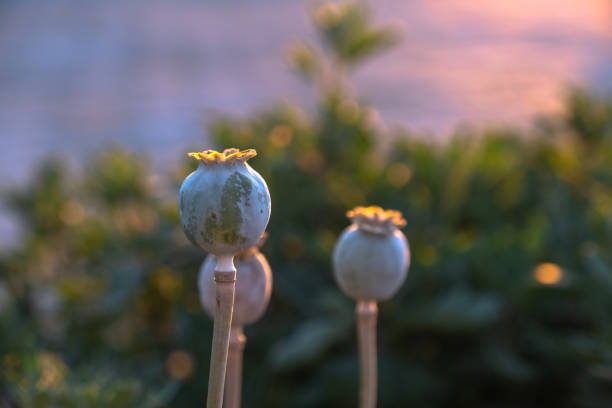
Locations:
348 31
457 310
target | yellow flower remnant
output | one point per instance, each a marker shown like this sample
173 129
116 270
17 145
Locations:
376 220
227 156
548 273
179 365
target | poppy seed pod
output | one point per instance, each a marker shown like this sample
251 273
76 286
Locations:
253 286
371 257
224 205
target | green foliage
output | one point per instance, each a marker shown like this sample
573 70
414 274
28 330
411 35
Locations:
98 303
348 32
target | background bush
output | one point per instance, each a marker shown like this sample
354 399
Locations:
507 302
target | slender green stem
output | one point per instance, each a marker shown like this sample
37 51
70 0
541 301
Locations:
367 313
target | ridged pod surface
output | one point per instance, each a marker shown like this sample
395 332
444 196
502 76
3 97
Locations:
253 286
371 257
224 205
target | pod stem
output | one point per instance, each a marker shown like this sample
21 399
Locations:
367 313
233 376
225 285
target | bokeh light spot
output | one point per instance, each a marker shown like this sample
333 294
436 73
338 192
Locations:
179 365
399 174
72 213
280 136
548 273
168 284
134 219
427 255
293 247
52 370
310 162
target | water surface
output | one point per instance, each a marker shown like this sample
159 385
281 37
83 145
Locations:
77 75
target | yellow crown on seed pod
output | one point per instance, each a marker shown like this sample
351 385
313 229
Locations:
227 156
376 220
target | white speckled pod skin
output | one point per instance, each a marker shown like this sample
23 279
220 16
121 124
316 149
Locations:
370 260
224 205
253 286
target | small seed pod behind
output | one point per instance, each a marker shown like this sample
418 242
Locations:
253 286
371 257
224 205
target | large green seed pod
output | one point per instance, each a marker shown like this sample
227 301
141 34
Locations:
371 257
253 286
224 205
